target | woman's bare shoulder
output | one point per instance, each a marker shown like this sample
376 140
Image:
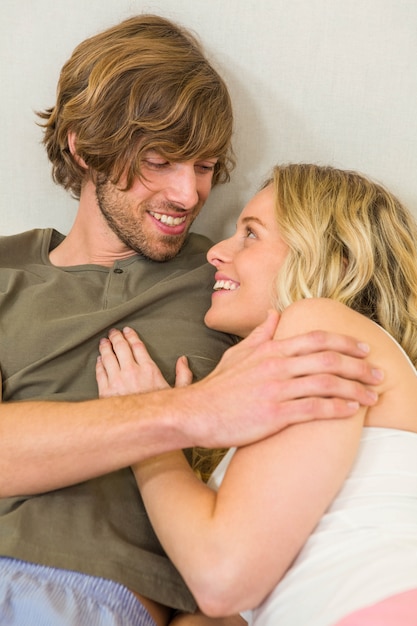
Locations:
398 390
313 314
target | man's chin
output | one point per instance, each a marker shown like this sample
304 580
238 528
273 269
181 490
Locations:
161 254
163 258
169 248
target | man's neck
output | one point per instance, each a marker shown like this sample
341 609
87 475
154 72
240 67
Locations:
90 240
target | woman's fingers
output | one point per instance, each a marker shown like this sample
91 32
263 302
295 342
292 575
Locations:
125 365
183 374
136 345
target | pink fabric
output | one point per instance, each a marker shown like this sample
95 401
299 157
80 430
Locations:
398 610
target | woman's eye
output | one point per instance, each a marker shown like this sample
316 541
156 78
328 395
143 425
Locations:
249 233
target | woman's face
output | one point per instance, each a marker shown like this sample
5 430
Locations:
247 264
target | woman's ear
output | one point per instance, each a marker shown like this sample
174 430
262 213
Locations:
72 142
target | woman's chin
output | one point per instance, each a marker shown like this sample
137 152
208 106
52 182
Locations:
214 322
210 320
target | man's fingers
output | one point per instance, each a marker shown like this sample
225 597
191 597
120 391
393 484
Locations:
259 339
330 363
320 341
307 409
264 331
325 386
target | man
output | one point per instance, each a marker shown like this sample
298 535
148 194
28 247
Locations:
140 133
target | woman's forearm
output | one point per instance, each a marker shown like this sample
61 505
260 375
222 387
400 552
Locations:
198 619
183 513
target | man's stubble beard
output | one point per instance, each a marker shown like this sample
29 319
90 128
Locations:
118 217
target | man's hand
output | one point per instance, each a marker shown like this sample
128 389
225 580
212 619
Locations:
259 387
262 385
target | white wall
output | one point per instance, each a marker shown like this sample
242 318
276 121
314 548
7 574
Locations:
328 81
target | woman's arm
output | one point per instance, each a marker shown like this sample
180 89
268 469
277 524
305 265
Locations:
233 547
198 619
76 441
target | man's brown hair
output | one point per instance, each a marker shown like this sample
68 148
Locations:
144 84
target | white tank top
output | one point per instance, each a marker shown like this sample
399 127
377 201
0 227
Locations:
364 547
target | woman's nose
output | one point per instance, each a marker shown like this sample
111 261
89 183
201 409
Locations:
219 253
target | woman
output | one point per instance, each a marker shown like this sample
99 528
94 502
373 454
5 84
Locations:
319 520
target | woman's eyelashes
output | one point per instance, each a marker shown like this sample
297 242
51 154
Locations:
249 233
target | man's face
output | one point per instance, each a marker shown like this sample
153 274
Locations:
154 216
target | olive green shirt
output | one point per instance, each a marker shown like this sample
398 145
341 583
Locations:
51 321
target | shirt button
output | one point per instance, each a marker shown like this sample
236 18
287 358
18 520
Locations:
118 270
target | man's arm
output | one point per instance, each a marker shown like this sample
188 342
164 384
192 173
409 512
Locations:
259 387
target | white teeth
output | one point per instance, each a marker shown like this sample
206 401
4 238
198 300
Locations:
168 219
225 284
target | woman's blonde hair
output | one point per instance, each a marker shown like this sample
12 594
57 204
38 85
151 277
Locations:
350 240
142 84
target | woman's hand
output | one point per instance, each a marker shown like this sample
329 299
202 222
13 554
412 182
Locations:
124 366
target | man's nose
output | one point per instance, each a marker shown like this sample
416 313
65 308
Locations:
182 190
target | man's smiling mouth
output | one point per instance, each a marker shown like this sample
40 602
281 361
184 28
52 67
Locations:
168 220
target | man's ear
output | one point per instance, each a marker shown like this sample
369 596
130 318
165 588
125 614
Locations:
72 142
